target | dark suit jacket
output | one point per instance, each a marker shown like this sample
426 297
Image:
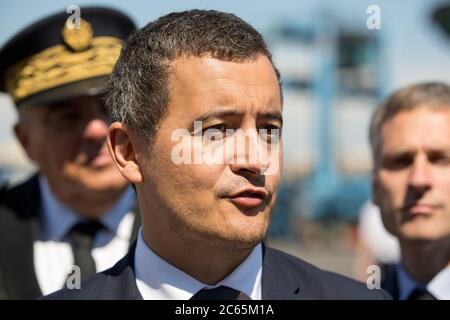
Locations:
389 280
19 224
283 277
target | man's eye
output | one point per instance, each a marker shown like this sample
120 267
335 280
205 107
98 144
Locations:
397 163
69 116
220 127
64 119
440 160
271 129
269 132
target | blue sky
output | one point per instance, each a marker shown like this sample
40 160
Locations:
415 49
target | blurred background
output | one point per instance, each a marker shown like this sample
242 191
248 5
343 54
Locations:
335 69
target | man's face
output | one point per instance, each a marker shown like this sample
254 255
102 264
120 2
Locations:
223 205
67 141
412 174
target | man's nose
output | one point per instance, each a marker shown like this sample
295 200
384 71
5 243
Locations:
249 158
420 177
247 168
96 129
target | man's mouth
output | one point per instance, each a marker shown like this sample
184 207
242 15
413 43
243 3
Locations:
249 197
99 159
421 208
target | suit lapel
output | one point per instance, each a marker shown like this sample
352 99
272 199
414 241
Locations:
22 217
389 281
25 264
276 283
120 283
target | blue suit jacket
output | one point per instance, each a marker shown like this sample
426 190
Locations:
284 277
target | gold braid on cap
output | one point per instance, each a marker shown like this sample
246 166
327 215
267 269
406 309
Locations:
80 57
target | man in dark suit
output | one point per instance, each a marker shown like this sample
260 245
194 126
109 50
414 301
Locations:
410 138
78 209
197 104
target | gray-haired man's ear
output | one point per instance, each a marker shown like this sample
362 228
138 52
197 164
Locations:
123 153
21 134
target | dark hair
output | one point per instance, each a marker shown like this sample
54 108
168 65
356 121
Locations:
430 95
138 90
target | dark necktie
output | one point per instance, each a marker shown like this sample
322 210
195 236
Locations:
421 294
81 236
220 293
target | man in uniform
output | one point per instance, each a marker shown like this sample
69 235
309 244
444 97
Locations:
77 214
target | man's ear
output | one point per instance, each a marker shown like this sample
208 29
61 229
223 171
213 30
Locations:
21 134
123 153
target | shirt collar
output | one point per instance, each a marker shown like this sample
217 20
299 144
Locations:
439 286
159 280
58 218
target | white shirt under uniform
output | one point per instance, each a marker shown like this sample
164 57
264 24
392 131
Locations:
157 279
53 257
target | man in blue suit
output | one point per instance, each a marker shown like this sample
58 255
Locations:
197 106
410 138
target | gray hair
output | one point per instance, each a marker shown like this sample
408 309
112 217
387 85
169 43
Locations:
430 95
138 89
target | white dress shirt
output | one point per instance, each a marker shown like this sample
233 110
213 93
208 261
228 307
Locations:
156 279
53 257
439 286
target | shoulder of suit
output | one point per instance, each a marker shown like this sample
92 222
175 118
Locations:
17 198
28 183
3 188
333 285
96 288
89 290
389 280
